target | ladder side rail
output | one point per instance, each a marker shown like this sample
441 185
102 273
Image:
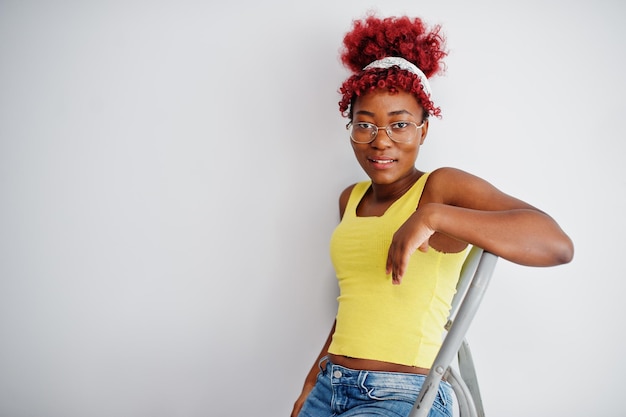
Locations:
456 334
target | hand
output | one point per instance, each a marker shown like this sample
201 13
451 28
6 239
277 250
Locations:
414 234
301 399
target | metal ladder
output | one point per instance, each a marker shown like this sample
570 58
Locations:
473 281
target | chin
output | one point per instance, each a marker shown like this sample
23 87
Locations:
377 178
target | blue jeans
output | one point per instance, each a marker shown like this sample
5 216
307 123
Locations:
343 392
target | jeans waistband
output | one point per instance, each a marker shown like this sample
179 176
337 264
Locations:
341 375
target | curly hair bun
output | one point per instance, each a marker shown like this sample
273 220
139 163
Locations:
374 38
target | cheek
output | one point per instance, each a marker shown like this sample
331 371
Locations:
412 152
410 157
358 153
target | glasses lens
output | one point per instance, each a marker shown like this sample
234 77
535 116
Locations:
363 132
402 131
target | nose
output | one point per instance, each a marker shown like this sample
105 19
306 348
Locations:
382 139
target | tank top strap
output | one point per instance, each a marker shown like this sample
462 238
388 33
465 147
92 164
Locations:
356 195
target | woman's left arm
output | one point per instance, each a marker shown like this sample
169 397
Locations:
469 209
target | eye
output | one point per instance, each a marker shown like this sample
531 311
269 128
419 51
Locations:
363 125
400 125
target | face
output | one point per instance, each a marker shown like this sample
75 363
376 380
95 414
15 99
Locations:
383 160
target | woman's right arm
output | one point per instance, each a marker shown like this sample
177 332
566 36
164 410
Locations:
311 377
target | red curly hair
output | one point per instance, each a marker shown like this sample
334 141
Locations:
375 38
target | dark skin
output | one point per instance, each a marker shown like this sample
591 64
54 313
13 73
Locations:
456 209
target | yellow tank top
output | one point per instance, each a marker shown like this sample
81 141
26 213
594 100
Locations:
377 320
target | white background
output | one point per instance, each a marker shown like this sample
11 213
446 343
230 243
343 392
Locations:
169 175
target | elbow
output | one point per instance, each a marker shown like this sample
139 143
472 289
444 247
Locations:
563 251
551 252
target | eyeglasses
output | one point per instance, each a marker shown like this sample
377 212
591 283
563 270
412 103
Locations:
399 132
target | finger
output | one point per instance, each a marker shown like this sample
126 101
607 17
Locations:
399 268
397 275
394 267
389 264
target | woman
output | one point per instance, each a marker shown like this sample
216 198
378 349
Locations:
399 247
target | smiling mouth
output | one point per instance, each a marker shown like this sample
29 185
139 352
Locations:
383 161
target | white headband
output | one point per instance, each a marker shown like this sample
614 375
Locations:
402 63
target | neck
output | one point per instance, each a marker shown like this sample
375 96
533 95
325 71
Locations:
382 193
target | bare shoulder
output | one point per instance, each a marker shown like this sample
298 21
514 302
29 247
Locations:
447 174
447 178
460 188
444 184
343 199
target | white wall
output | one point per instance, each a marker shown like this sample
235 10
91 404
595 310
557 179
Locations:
169 174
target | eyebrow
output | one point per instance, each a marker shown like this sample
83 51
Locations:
391 113
397 112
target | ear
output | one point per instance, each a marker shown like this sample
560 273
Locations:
424 132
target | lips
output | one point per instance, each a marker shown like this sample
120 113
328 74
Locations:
381 162
382 159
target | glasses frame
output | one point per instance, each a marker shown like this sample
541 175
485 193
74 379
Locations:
387 129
